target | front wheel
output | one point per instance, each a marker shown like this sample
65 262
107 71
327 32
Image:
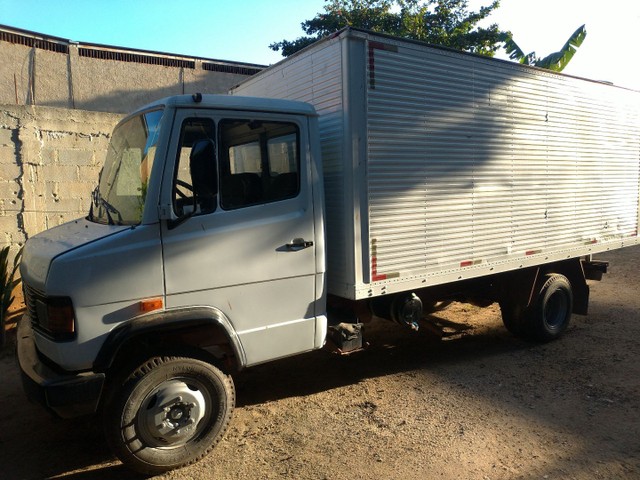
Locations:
168 413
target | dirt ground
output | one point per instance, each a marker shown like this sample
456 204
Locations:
474 404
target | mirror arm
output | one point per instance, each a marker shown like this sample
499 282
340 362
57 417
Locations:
176 222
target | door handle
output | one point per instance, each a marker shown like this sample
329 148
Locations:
298 244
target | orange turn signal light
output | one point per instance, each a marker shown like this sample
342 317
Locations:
151 304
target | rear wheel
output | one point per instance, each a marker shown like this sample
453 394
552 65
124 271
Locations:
548 315
169 412
512 317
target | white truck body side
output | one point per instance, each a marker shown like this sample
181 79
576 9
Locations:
442 166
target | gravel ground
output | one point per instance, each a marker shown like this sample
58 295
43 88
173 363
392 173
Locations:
460 400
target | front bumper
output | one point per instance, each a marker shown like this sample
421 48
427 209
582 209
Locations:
66 394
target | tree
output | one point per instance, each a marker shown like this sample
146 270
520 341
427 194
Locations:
441 22
555 61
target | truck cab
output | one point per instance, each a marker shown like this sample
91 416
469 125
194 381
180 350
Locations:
203 243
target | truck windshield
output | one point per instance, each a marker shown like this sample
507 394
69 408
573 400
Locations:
120 195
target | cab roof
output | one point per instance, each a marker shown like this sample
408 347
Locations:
232 102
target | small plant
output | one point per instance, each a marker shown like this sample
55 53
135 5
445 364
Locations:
8 283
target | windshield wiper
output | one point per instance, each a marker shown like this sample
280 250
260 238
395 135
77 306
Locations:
98 201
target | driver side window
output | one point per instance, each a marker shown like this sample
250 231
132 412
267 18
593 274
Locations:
192 131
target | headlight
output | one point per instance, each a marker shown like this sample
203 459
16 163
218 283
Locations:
56 318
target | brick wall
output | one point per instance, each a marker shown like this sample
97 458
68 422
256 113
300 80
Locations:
50 159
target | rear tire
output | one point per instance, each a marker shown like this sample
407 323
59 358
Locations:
512 317
548 315
168 412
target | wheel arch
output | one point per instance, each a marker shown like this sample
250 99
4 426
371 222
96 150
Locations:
520 286
574 271
197 328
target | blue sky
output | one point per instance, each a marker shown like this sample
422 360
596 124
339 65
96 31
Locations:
241 30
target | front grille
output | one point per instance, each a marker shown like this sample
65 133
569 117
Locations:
31 299
57 328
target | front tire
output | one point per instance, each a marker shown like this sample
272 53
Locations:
168 413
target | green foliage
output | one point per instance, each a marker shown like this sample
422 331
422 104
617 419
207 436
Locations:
440 22
555 61
516 53
8 283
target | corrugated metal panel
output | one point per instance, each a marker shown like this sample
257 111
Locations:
471 160
316 77
473 166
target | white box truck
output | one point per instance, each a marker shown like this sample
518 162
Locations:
363 176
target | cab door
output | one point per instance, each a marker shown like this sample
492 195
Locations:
246 245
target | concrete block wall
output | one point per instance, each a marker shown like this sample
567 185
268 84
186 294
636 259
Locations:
50 159
48 71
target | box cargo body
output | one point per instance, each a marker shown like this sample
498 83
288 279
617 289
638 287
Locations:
441 166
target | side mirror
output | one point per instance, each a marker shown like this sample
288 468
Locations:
204 174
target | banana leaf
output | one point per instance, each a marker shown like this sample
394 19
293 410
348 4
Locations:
8 283
558 60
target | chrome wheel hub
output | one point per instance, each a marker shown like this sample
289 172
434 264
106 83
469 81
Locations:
170 414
